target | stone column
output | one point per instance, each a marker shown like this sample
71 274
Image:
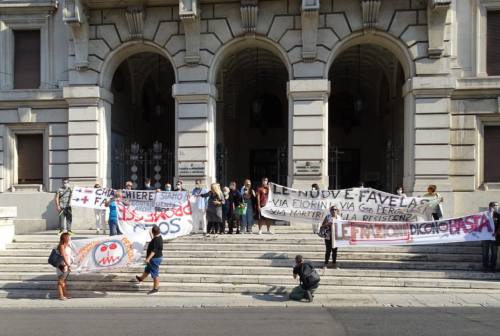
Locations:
89 134
428 137
308 132
6 57
195 131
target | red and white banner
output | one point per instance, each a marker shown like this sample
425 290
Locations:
106 253
173 223
468 228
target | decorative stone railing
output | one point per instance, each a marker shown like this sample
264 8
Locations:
7 215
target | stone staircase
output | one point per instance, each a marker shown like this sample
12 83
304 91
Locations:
255 264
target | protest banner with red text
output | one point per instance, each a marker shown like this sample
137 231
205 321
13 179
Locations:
475 227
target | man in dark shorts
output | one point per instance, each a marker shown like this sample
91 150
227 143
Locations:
262 197
309 280
154 256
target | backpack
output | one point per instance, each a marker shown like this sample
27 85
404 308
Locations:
55 259
309 276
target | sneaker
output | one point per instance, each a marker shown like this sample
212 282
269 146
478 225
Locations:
138 278
153 291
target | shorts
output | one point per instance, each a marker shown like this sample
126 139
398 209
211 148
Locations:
153 267
61 275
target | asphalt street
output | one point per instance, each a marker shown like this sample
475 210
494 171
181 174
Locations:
251 321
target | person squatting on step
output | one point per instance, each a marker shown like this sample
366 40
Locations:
490 247
327 232
64 268
63 206
100 217
154 257
308 277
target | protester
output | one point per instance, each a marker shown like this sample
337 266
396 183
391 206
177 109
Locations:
315 226
490 247
225 210
400 191
235 208
63 206
437 209
129 185
100 217
113 213
262 196
327 232
147 184
154 257
63 270
309 280
249 200
199 217
168 187
214 207
179 186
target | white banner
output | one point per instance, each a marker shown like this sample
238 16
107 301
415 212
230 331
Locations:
142 200
361 204
106 253
94 198
468 228
173 223
170 199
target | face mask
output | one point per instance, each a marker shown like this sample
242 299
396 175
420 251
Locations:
65 184
148 185
168 188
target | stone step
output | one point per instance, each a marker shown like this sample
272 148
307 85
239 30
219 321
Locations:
31 262
247 288
32 272
342 255
85 280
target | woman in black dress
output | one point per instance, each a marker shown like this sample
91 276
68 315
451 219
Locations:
214 208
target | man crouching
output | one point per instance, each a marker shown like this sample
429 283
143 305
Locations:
309 280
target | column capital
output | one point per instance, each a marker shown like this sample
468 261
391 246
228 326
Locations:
194 91
308 88
86 95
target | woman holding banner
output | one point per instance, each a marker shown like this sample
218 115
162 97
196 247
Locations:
436 200
327 232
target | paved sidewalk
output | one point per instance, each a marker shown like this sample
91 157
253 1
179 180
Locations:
262 300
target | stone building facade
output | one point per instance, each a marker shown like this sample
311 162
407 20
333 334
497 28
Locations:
389 92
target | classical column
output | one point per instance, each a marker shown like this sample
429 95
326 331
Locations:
308 132
6 57
195 131
89 134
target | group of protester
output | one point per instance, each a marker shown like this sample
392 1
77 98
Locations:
237 208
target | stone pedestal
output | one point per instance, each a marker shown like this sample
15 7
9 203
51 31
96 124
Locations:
308 137
7 229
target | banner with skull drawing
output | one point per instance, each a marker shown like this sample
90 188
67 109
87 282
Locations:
106 253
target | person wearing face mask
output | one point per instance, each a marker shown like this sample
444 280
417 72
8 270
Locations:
400 191
179 186
129 185
63 206
200 207
147 184
249 200
168 187
490 247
